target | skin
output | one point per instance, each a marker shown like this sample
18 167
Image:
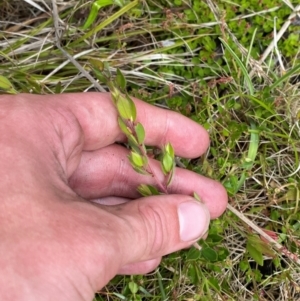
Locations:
61 168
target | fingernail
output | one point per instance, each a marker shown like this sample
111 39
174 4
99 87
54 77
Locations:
194 220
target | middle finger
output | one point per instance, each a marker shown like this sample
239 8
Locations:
107 172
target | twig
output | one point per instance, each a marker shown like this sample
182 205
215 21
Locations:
268 238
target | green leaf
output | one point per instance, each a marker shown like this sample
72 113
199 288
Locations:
223 253
100 76
98 64
209 254
167 163
133 287
124 128
140 133
120 79
194 273
136 159
144 190
124 108
215 238
251 155
261 245
244 265
254 252
141 171
132 106
253 147
133 144
215 268
168 159
213 282
193 254
125 105
170 150
147 190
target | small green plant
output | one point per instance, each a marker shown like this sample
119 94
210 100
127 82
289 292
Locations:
135 134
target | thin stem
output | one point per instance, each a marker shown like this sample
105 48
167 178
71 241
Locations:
160 186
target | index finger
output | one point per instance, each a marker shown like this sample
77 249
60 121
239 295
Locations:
97 117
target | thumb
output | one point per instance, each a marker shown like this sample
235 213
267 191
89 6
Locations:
159 225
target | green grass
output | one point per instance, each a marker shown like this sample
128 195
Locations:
204 59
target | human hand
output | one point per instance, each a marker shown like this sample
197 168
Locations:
61 167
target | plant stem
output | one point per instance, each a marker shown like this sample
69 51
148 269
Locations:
148 168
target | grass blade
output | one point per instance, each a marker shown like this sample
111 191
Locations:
250 47
241 65
96 6
251 155
285 77
107 21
